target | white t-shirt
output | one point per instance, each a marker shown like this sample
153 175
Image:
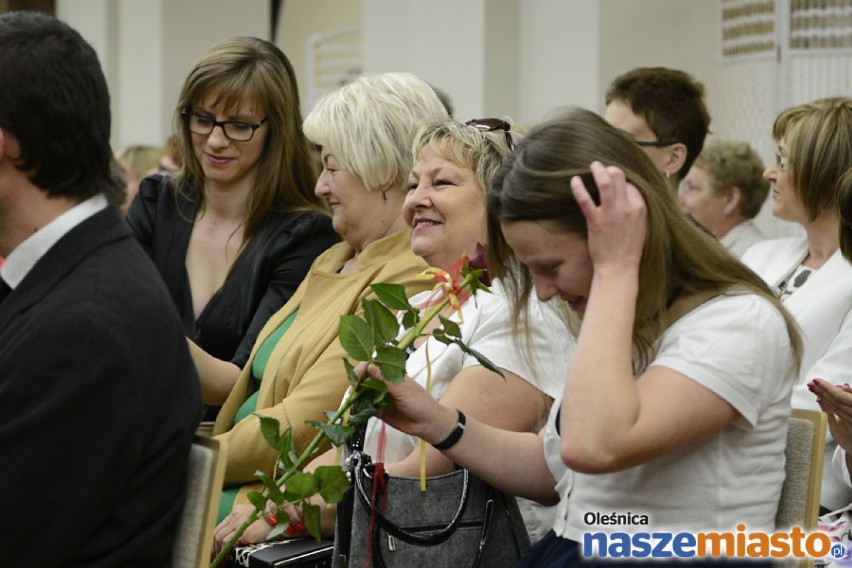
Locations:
737 346
488 328
822 307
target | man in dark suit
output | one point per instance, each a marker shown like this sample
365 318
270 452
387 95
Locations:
99 399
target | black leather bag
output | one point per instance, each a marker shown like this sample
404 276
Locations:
459 521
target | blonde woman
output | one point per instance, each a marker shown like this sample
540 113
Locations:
295 371
683 426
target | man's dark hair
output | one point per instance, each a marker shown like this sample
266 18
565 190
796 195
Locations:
672 104
54 100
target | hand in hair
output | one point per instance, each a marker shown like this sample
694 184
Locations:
616 227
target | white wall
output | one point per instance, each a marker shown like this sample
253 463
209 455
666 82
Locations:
521 58
301 18
146 48
440 41
560 48
681 34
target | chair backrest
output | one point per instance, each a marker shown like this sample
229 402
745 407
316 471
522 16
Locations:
799 505
205 475
801 490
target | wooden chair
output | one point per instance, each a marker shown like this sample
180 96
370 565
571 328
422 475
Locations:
205 475
799 504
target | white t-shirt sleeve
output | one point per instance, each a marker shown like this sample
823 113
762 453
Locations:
544 361
716 346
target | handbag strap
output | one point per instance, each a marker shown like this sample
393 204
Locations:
394 530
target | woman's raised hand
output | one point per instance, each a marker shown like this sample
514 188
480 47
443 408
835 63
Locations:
616 227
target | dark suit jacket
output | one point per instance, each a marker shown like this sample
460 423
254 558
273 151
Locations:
98 404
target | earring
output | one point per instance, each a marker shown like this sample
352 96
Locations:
385 196
668 174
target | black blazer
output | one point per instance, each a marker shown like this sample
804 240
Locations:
99 401
261 280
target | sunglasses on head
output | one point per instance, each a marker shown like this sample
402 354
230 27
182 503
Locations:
492 124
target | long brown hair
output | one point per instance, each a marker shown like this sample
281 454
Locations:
239 69
678 259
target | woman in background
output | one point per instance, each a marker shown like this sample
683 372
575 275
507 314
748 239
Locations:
724 191
234 232
808 272
137 162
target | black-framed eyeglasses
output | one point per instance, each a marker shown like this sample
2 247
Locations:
491 124
654 143
235 130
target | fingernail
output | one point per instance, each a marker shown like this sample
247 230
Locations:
815 382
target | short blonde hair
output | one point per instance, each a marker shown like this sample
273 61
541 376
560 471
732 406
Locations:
465 146
819 140
730 164
369 124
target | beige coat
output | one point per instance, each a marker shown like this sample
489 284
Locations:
305 373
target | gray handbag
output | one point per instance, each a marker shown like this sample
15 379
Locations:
459 521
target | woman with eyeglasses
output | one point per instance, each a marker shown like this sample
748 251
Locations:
445 210
235 231
808 272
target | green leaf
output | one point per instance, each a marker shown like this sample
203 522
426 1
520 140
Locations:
362 412
450 327
383 323
285 448
356 337
279 529
439 335
391 361
376 389
300 486
337 433
257 499
270 428
392 295
410 319
481 359
332 483
311 517
350 372
272 489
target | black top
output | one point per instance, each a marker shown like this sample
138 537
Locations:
261 280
